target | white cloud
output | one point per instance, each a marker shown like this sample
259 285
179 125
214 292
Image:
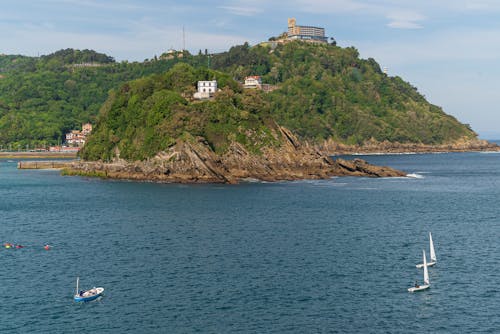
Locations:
242 10
481 5
403 25
399 16
405 20
109 5
330 6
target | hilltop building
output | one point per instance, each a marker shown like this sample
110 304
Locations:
206 89
171 54
306 33
302 33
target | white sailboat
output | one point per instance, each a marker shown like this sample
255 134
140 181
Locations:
432 253
86 295
426 284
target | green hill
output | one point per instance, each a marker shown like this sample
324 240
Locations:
43 98
329 92
322 92
148 115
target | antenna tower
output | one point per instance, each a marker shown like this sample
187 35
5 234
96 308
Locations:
183 39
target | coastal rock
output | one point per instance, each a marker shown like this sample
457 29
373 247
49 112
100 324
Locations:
372 146
196 162
360 167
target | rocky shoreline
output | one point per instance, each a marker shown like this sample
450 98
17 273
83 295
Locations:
374 147
195 162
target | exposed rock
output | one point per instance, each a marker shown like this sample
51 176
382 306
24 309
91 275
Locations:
360 167
373 146
195 162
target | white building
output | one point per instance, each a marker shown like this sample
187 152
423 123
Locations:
206 89
254 81
77 137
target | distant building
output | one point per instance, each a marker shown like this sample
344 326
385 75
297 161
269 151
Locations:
306 33
171 54
66 149
93 64
77 137
86 128
254 81
206 89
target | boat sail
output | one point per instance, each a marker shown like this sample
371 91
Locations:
432 254
427 283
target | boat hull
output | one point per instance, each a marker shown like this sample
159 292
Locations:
429 264
86 297
420 288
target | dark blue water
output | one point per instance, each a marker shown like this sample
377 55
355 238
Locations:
331 256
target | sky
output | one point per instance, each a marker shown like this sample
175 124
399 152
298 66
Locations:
448 49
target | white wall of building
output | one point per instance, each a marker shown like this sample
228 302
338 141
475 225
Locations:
207 86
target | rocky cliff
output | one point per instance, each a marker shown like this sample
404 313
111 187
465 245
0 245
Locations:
195 162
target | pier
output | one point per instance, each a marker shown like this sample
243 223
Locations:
38 155
44 164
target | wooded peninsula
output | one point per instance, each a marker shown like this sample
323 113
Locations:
320 100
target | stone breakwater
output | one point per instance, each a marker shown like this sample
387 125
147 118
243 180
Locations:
195 162
37 155
44 164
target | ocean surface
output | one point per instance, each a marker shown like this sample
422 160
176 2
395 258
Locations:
328 256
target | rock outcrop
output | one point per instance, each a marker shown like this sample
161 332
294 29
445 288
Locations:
195 162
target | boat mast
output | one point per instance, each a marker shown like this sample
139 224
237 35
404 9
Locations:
77 281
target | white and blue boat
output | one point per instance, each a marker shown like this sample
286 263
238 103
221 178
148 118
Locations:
87 295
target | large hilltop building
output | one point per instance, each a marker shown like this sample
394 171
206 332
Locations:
307 33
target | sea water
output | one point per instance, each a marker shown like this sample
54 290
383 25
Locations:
325 256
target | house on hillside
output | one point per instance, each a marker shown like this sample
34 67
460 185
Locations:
253 82
77 137
206 89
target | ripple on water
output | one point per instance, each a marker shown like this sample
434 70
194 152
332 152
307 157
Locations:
311 256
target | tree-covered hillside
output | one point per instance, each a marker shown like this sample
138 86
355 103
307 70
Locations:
43 98
327 91
148 115
322 92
